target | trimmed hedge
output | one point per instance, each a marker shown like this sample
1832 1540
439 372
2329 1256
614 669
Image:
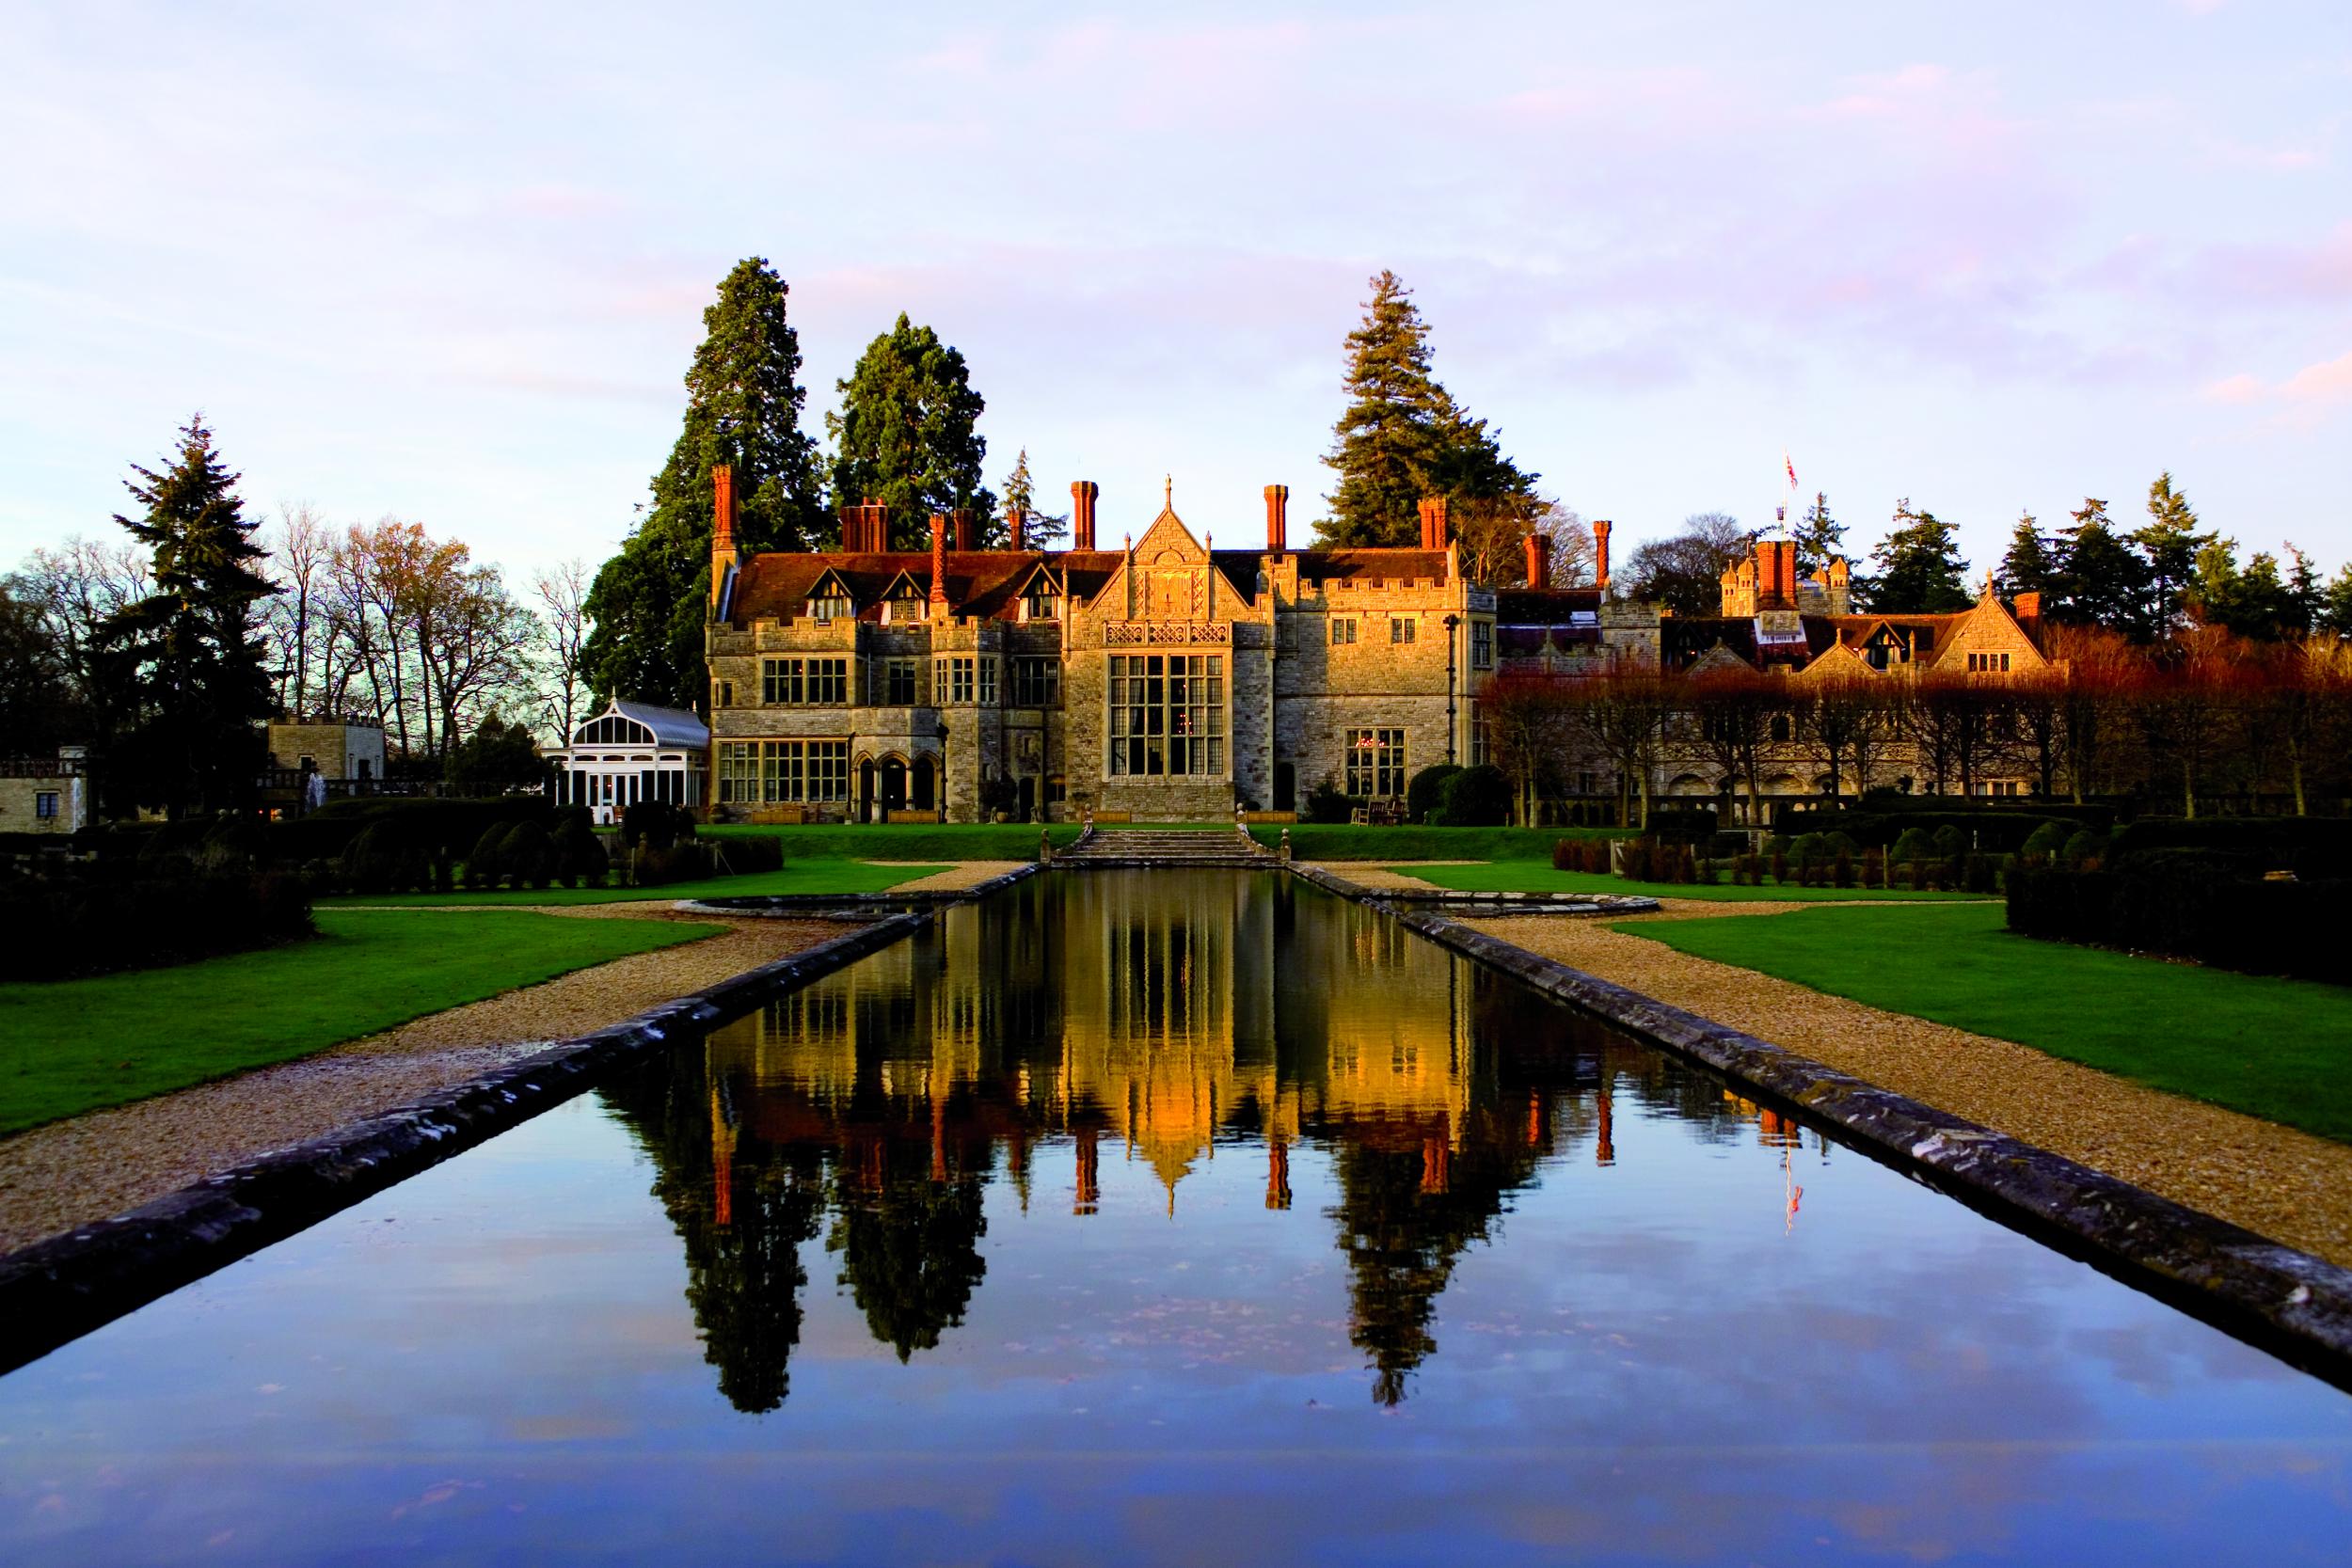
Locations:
2212 907
1681 824
1995 829
2310 846
71 925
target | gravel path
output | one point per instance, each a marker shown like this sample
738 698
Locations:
963 874
2288 1185
86 1169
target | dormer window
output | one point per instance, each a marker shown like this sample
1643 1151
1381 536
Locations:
909 609
1042 604
830 607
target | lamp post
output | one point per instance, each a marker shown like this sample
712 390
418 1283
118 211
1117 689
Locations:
1451 623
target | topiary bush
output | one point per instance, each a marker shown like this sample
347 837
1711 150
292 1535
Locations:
1914 845
527 854
1476 798
486 865
2044 843
1325 803
579 855
2084 850
1424 790
382 858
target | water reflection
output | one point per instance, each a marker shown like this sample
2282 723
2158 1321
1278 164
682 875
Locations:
1164 1020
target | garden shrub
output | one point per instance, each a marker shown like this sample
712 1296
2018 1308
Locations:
655 824
2085 849
2045 842
2213 906
1421 791
1913 847
1581 854
527 853
1476 798
68 926
486 864
382 858
1950 840
1325 803
1681 824
579 855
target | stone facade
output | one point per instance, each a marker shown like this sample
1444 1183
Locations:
45 795
1170 680
335 749
1166 680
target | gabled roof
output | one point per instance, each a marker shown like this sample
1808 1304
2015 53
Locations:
777 586
671 726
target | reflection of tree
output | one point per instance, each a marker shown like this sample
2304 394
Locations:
910 1255
1405 1218
742 1214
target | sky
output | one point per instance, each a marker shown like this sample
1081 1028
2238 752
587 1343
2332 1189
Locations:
448 262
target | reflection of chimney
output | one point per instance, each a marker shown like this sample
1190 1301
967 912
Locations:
1538 561
1278 506
939 558
1278 1173
961 522
723 555
1604 1144
1089 1177
1433 528
1019 534
1083 493
1600 552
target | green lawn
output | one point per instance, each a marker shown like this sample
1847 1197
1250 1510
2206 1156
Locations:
1531 876
69 1046
797 875
2274 1048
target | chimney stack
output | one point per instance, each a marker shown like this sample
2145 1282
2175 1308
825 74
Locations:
722 554
1278 506
1600 552
1018 517
939 558
2029 611
960 520
1538 561
1433 524
1083 493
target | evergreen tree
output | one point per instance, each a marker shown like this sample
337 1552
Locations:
499 752
2335 604
1920 570
2171 542
1819 537
904 435
2030 567
2258 602
743 402
1045 530
1401 436
2102 581
186 661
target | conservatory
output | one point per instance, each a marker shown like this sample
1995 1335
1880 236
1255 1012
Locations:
634 752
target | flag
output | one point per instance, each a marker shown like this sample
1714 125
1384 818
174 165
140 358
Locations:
1791 468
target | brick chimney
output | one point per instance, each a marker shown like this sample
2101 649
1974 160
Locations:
939 558
959 529
1433 524
1600 552
1278 507
2029 613
1083 495
852 518
1538 561
723 552
1017 529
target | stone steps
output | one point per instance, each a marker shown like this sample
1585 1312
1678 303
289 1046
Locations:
1146 847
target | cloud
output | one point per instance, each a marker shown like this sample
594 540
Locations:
2315 386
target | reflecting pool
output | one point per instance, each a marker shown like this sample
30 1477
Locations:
1172 1217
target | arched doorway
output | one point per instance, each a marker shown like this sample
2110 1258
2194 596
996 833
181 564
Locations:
1029 798
865 789
922 783
893 784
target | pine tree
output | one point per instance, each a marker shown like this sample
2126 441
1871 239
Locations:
1919 567
1819 537
2102 581
904 435
186 663
2335 604
743 402
1401 436
2029 567
2171 541
1045 530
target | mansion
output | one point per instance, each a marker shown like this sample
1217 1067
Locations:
1168 678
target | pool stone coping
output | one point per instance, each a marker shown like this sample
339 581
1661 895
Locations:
2288 1303
57 1289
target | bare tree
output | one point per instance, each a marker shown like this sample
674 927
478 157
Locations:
299 545
1492 536
1622 716
77 587
1526 725
563 594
